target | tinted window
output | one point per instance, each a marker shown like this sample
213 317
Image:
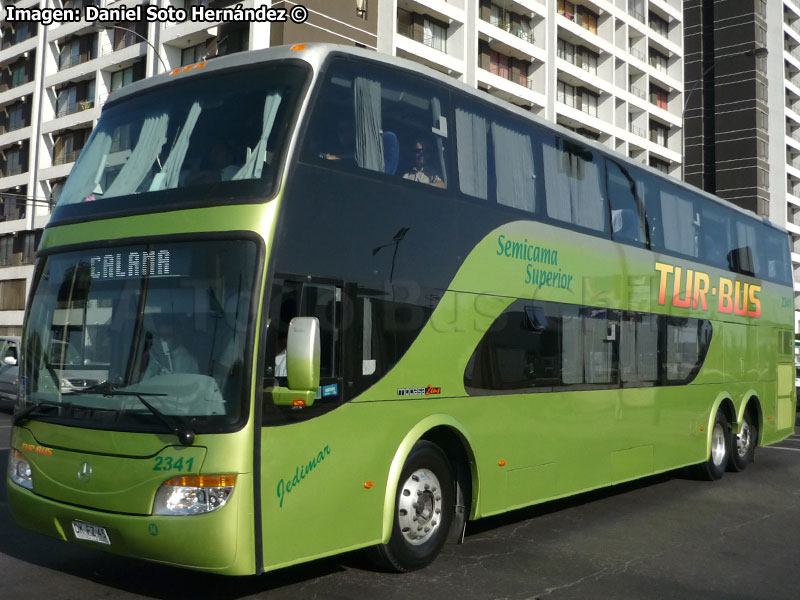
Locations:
544 346
678 220
775 255
627 224
499 159
369 118
573 185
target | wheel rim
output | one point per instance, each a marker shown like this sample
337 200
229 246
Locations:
744 440
419 507
718 445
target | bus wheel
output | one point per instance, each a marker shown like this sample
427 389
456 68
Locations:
424 507
744 444
714 467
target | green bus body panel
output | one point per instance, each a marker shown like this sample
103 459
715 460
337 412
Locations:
220 541
550 444
328 484
124 484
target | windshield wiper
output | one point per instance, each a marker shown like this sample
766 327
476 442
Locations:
182 431
25 412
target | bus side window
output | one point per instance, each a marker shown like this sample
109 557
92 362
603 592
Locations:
676 210
572 182
497 160
372 119
627 208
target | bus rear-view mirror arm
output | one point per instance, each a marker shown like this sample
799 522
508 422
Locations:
302 364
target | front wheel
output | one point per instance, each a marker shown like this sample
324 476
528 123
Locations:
714 467
744 444
424 507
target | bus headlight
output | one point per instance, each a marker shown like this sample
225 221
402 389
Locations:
193 494
19 470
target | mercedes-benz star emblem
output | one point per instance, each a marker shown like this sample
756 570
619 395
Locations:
85 472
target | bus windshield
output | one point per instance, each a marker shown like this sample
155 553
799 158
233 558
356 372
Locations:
167 322
206 133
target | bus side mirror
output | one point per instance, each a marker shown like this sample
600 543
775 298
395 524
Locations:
302 363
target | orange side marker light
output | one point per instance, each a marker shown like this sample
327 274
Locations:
501 463
368 485
297 47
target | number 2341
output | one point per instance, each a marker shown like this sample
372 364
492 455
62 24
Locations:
166 463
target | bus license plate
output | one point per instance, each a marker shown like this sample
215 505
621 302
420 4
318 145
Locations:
92 533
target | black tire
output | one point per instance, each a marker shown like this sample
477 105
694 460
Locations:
426 476
714 467
743 445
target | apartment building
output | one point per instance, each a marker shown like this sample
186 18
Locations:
743 58
611 70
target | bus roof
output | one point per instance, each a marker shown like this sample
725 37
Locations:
315 55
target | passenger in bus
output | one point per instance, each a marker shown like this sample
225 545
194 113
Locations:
219 165
423 169
163 351
344 147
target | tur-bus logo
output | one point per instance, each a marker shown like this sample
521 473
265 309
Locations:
691 290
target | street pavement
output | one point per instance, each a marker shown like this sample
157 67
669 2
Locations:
663 537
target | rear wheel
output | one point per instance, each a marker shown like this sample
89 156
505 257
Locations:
744 444
714 467
424 506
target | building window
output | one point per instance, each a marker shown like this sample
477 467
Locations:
589 103
763 179
566 94
435 35
30 241
16 118
589 61
193 54
14 162
566 51
587 20
68 147
496 15
567 9
658 134
763 121
658 61
659 25
12 294
659 97
636 9
6 250
123 77
18 72
499 64
659 164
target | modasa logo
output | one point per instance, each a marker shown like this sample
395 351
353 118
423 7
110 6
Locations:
419 391
688 288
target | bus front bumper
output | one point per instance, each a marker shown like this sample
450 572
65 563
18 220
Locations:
220 541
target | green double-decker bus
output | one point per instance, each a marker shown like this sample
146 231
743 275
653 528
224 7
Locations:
307 300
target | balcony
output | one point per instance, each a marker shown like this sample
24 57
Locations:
75 107
13 170
12 208
637 14
638 92
514 30
638 131
66 157
437 43
72 60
